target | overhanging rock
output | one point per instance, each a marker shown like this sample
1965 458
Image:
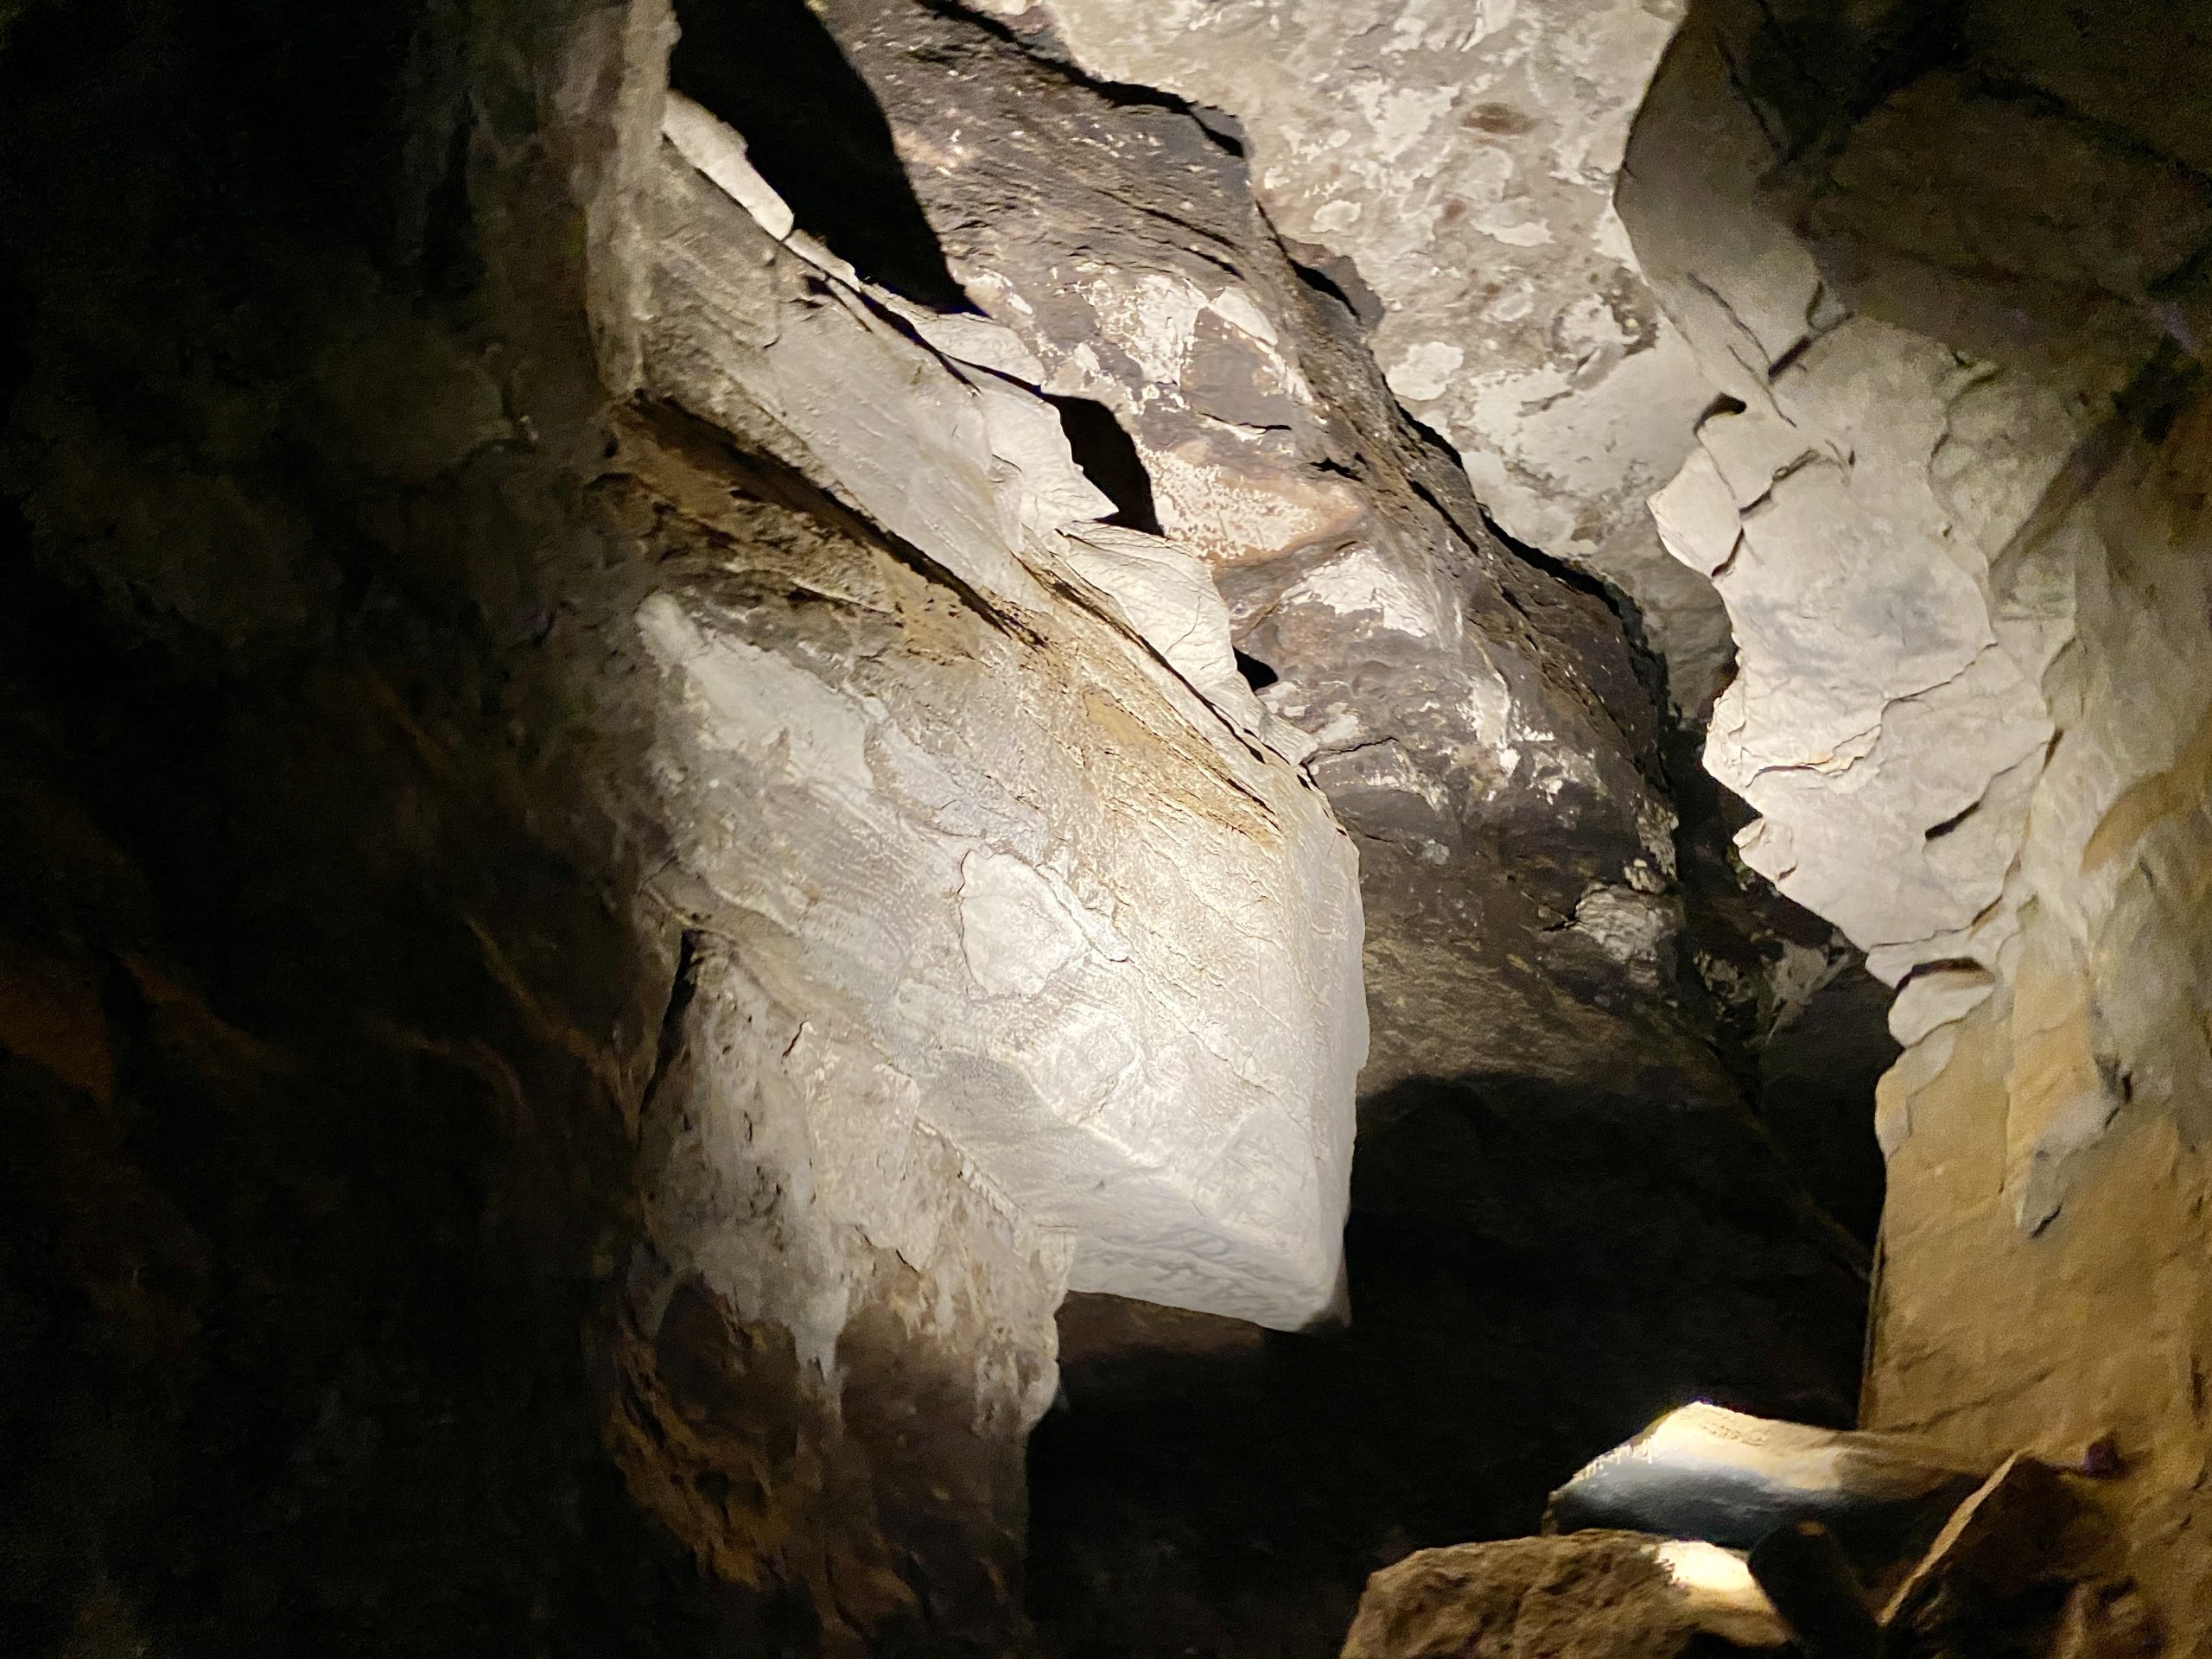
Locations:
1040 885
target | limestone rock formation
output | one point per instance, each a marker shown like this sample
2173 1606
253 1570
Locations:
1453 166
667 757
1953 507
1586 1595
1478 725
990 841
672 788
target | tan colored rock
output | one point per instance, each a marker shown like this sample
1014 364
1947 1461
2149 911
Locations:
1984 1572
1461 160
1972 713
1585 1595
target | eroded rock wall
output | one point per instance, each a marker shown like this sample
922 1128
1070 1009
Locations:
1454 166
2045 1281
1025 857
1478 725
614 859
1953 504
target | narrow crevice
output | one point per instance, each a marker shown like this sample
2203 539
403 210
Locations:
1257 674
683 988
817 134
1109 458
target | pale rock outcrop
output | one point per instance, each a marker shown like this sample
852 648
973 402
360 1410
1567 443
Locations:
1452 166
983 866
1478 724
1956 513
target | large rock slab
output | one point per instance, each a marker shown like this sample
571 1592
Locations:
1705 1471
1477 723
972 828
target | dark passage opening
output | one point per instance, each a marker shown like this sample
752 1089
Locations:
1257 674
815 131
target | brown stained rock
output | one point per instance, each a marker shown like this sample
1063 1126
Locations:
1588 1595
1994 1579
2014 822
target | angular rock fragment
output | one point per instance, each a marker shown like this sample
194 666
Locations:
1994 1577
1588 1595
1704 1472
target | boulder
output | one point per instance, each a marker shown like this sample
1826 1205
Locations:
1588 1595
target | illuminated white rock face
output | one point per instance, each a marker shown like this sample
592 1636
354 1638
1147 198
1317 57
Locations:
1960 525
1461 158
1008 833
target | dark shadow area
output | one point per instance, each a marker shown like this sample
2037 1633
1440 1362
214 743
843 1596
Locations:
1109 458
295 1211
1257 674
1817 1074
1535 1276
1335 277
816 133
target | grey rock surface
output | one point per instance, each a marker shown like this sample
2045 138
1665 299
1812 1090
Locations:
1460 160
986 854
1476 722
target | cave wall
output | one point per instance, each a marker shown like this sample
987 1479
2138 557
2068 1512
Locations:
1952 500
2045 1279
1454 166
497 856
640 831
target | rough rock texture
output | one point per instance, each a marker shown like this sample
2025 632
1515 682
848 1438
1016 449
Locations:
1455 164
2045 1246
1545 1111
992 841
1494 139
1587 1595
1478 724
1957 519
537 932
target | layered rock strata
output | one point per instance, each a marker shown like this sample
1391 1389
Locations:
732 855
1455 168
1478 725
1952 504
1001 876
